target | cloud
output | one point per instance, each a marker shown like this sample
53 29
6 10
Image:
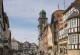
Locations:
27 8
24 14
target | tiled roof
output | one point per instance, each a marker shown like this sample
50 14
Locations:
13 40
76 4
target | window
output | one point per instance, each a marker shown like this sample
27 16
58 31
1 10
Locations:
69 30
61 50
79 46
72 30
73 23
72 46
75 29
75 46
68 24
73 39
0 28
79 38
5 40
65 50
0 16
78 22
69 46
69 38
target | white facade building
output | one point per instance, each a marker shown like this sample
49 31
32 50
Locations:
15 44
71 31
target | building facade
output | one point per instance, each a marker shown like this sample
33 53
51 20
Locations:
50 41
56 21
42 40
15 45
30 48
20 47
68 30
33 48
72 19
1 27
26 47
5 33
45 35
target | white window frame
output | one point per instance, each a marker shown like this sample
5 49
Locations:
73 22
79 46
73 39
76 46
72 46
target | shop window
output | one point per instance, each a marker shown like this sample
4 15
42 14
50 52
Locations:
0 28
61 50
75 46
79 38
69 46
72 46
65 50
79 46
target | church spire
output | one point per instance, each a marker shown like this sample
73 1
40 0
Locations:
42 21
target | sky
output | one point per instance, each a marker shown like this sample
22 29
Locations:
23 16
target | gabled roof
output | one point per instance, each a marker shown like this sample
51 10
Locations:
75 4
13 40
55 15
73 14
57 11
76 16
68 8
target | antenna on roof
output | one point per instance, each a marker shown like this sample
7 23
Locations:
64 5
58 6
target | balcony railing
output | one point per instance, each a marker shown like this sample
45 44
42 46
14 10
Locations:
5 40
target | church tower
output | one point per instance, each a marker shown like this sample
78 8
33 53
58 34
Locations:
42 21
